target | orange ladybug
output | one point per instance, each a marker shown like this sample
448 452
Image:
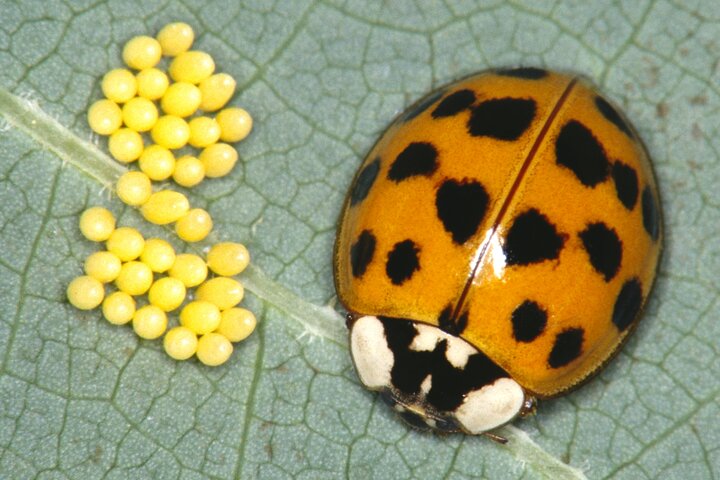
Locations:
497 245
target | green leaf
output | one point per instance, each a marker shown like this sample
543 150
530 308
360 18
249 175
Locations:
80 398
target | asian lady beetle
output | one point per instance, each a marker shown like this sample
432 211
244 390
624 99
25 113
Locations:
497 245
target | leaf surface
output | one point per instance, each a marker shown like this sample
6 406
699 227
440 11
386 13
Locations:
80 398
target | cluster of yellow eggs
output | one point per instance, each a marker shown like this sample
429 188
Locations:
210 321
164 207
148 103
139 266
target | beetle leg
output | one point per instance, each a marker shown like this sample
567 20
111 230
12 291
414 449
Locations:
496 438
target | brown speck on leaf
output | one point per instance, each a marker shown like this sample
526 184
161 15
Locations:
699 100
652 75
269 450
697 132
96 456
661 109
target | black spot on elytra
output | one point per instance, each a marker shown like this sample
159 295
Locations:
531 239
461 207
650 214
450 385
402 262
361 253
454 103
577 149
567 347
604 248
609 112
529 73
365 180
502 118
528 320
627 304
418 158
453 326
626 184
421 105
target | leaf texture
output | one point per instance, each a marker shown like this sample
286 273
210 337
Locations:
80 398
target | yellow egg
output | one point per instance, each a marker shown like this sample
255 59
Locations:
224 292
119 85
135 278
157 162
228 258
192 66
97 224
134 188
194 226
149 322
165 206
86 293
235 124
103 266
180 343
158 254
104 117
118 308
141 52
167 293
218 159
139 114
199 316
175 38
125 242
152 83
213 349
181 99
236 324
216 91
125 145
204 131
189 269
189 171
171 132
